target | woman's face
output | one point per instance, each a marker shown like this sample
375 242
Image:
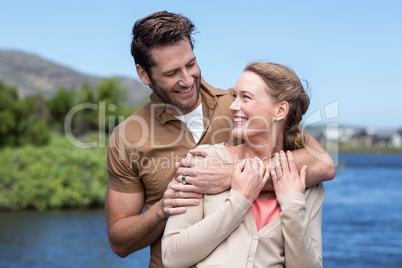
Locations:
253 108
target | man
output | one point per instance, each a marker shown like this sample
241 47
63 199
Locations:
184 111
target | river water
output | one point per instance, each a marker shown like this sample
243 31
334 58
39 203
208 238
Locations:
362 225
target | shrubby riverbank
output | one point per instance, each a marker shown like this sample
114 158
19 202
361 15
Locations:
347 148
54 176
60 175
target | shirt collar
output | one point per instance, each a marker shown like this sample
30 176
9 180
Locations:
209 96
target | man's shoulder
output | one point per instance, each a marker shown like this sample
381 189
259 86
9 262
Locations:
140 116
213 90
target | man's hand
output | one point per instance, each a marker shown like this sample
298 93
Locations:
175 199
206 172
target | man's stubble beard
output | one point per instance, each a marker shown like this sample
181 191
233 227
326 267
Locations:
167 99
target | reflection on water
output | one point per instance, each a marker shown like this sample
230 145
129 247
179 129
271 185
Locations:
59 239
362 225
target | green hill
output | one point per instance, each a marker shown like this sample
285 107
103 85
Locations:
32 74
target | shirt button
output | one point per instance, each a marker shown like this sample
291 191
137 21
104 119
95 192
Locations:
255 237
250 259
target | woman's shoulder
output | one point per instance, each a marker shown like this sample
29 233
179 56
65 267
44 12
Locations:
222 149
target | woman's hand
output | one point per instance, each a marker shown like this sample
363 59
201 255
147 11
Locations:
249 177
285 176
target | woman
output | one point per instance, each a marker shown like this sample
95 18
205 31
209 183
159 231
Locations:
245 226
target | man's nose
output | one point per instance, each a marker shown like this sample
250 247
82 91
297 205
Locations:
186 79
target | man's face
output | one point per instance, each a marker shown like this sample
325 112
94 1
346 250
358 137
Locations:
176 77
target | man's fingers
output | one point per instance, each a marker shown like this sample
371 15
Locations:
199 152
176 168
178 206
187 162
185 191
192 163
186 171
174 211
181 202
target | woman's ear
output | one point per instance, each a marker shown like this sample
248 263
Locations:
142 74
281 110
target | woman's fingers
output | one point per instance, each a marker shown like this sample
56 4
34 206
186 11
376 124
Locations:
267 174
278 166
284 162
291 162
303 175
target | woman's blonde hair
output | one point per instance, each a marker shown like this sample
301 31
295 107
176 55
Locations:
285 85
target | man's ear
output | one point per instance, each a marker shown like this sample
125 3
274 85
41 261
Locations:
142 74
281 110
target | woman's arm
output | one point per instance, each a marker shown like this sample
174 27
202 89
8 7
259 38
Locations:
301 227
189 237
301 213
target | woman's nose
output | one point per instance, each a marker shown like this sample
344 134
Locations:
235 106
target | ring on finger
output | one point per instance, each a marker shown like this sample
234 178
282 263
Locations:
183 179
279 177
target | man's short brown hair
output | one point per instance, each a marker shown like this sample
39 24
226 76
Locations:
157 30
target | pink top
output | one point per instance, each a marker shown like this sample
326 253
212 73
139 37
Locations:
264 211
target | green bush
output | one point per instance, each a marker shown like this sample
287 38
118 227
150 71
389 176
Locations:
20 122
58 175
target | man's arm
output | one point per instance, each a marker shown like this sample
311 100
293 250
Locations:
210 174
320 165
129 229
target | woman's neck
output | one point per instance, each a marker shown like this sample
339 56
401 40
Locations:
264 148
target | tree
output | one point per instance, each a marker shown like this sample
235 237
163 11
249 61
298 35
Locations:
19 122
108 97
60 105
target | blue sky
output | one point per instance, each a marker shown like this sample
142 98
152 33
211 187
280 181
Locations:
349 51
